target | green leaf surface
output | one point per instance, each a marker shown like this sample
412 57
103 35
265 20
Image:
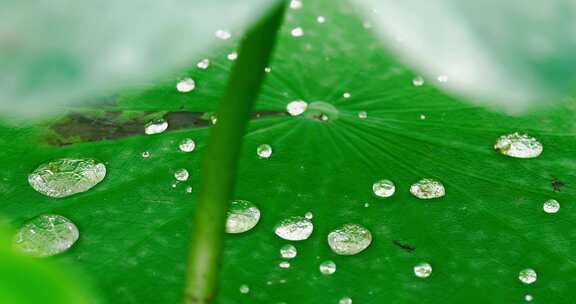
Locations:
135 226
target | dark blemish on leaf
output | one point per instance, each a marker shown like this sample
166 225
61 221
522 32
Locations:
556 184
107 125
404 246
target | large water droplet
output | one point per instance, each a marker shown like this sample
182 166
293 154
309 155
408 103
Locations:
327 267
423 270
156 126
527 276
296 228
264 151
181 174
296 107
384 188
288 251
242 216
427 188
187 145
345 300
66 176
46 235
186 85
551 206
349 239
518 146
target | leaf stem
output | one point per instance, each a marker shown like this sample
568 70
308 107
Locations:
219 163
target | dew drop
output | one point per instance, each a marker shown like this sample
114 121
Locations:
232 56
309 215
242 216
288 251
294 228
518 145
384 188
244 289
418 81
551 206
345 300
186 85
187 145
181 174
327 267
527 276
422 116
362 115
46 235
442 78
284 264
203 64
528 298
189 189
346 95
295 4
296 107
423 270
264 151
350 239
145 154
297 32
156 126
222 34
267 69
427 188
321 19
213 119
66 176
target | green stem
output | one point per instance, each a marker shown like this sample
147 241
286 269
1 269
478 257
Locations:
219 164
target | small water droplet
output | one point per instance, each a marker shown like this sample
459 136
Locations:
288 251
321 19
46 235
551 206
295 4
384 188
528 298
350 239
423 270
213 119
309 215
232 56
186 85
156 126
203 64
422 116
297 32
362 115
189 189
145 154
267 69
187 145
295 228
284 264
242 216
67 176
527 276
442 78
345 300
264 151
181 174
244 289
518 146
366 205
427 188
418 81
296 107
327 267
346 95
222 34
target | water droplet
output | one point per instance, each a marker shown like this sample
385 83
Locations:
296 107
418 81
295 4
187 145
366 205
427 188
156 126
267 69
309 215
321 19
213 119
181 174
297 32
186 85
423 270
222 34
346 95
350 239
551 206
264 151
362 115
284 264
288 251
244 289
327 267
527 276
189 189
384 188
518 146
422 116
232 56
345 300
46 235
528 298
442 78
203 64
145 154
242 216
66 176
294 228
